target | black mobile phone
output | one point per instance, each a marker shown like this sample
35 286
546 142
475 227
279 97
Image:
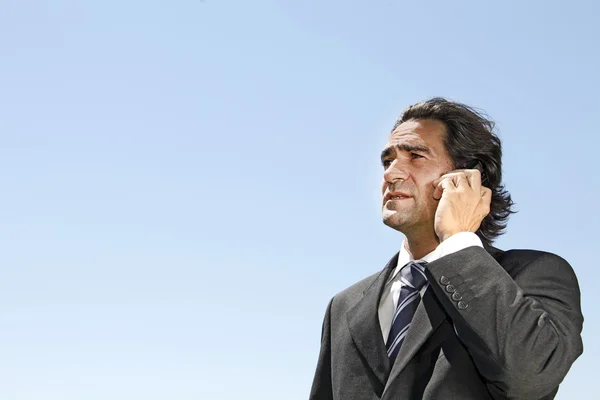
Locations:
476 164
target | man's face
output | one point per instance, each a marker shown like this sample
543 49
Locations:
413 158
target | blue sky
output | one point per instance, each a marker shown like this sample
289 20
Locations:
186 184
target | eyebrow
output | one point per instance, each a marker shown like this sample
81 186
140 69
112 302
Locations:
409 148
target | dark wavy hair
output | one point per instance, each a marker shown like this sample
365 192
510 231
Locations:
470 138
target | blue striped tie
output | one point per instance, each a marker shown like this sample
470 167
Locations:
412 276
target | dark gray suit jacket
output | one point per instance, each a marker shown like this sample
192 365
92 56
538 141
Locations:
491 325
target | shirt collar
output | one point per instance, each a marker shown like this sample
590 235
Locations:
404 257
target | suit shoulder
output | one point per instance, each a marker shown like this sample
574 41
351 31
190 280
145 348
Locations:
352 293
520 260
360 286
525 256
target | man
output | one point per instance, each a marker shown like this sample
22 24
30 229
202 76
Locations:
450 316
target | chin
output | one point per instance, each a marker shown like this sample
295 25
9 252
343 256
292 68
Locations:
392 219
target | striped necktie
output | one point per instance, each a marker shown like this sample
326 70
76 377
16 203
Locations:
412 276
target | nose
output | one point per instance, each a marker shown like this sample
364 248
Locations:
395 172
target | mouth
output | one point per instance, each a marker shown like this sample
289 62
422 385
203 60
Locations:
396 196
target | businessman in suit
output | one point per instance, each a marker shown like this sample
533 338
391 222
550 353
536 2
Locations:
450 316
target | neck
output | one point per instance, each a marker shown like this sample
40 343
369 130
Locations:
419 245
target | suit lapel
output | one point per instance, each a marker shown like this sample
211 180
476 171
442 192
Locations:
428 317
365 329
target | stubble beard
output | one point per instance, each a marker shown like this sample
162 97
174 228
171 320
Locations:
406 220
395 219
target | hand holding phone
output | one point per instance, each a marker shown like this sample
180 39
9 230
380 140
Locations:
463 201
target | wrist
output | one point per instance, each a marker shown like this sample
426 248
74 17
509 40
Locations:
445 236
457 242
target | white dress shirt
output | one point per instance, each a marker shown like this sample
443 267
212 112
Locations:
391 291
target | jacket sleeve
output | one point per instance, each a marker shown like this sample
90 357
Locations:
522 331
321 387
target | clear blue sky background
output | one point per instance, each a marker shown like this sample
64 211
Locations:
186 184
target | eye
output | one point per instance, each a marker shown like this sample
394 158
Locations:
386 163
415 155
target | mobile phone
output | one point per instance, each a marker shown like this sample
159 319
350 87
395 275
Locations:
476 164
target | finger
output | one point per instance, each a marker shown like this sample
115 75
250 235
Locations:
450 174
445 184
474 177
459 177
461 180
486 199
487 195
